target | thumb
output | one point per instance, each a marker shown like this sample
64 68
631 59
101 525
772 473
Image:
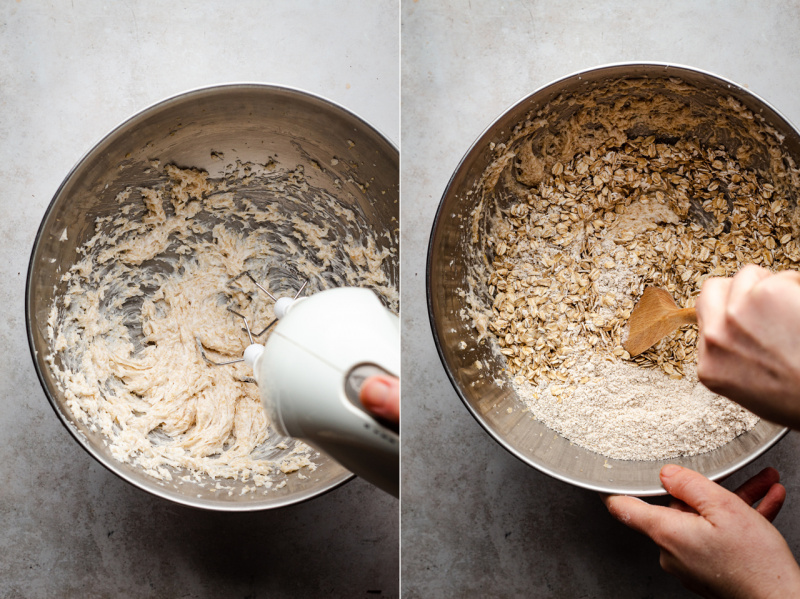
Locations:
381 396
694 489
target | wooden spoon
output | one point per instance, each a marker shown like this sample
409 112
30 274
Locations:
654 317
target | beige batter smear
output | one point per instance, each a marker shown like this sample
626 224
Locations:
154 282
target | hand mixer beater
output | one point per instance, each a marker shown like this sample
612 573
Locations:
311 368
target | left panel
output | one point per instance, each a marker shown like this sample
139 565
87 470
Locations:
170 172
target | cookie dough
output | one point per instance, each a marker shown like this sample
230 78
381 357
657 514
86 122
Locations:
155 280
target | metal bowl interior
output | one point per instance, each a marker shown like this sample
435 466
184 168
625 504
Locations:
497 408
244 122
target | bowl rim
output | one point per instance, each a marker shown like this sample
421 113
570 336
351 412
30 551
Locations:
151 486
641 491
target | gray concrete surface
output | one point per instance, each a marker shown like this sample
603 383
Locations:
475 520
70 71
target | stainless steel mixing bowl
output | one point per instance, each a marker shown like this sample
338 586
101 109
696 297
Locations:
245 122
497 408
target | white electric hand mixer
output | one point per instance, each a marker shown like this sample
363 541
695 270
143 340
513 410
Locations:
311 369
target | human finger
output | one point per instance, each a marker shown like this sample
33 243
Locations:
756 488
681 506
713 297
744 282
772 502
791 276
717 367
694 489
381 396
739 305
779 293
639 515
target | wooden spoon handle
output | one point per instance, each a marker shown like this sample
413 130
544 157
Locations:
686 315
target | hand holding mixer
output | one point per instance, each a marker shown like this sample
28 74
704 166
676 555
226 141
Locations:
311 368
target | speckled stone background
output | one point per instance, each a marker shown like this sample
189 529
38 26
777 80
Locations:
476 522
70 72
